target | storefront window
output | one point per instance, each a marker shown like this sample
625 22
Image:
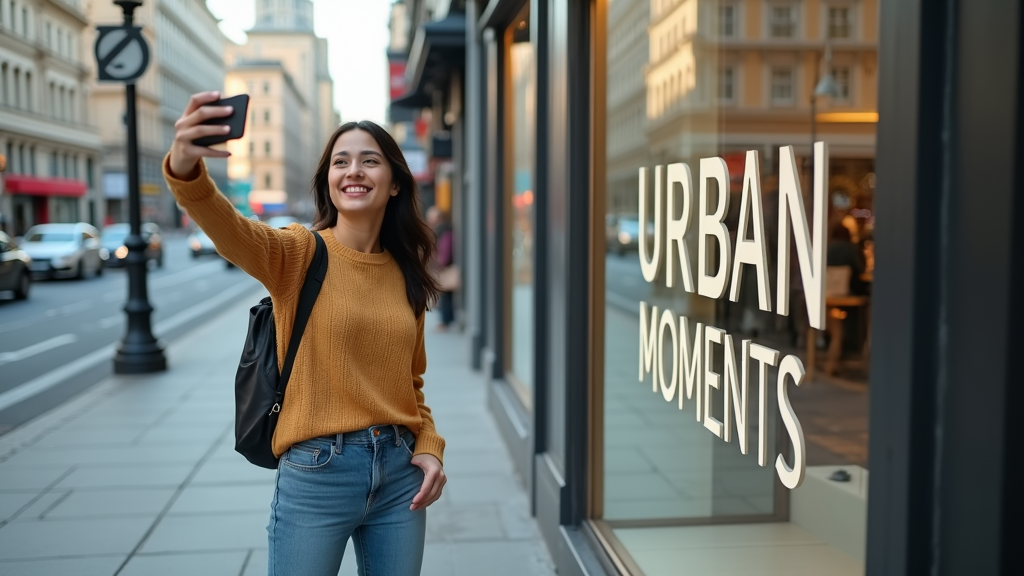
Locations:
519 182
708 156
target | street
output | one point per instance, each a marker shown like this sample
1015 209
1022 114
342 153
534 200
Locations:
62 339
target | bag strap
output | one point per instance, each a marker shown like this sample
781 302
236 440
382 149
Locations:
307 297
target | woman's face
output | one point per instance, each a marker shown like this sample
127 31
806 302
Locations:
359 176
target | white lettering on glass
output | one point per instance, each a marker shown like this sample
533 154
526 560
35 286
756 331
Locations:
650 266
692 374
713 225
811 256
753 251
791 476
677 228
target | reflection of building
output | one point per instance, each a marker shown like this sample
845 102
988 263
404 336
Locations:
186 49
736 75
46 132
283 68
627 105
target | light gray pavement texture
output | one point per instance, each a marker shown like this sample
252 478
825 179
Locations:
138 476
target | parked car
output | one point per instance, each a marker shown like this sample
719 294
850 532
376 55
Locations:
113 237
200 244
622 233
15 268
65 250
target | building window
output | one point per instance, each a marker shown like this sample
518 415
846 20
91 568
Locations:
28 91
266 181
727 20
840 25
782 85
88 172
841 74
266 116
727 84
266 87
782 21
266 147
252 147
520 87
54 165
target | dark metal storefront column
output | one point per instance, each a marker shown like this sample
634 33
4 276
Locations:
945 389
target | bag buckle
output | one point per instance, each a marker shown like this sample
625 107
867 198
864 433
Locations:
275 408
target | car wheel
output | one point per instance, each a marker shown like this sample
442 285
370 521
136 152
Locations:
24 284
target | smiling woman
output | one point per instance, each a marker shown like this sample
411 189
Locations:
357 377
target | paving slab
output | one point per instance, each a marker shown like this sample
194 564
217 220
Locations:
83 566
192 564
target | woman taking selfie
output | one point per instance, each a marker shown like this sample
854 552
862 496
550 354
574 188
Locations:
359 455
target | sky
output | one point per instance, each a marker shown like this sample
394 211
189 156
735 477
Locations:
357 41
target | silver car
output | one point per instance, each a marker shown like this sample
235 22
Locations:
64 250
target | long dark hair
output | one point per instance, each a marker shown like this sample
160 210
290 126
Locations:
403 233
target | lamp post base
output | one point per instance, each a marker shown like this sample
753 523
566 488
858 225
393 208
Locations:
144 359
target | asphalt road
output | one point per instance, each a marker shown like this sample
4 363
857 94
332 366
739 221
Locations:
63 338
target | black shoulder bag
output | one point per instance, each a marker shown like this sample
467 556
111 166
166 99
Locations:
259 387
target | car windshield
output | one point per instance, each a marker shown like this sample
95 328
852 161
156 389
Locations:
115 235
629 226
50 237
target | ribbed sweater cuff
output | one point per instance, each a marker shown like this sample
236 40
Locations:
198 188
430 444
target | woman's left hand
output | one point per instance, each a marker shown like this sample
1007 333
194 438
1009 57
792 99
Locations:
433 480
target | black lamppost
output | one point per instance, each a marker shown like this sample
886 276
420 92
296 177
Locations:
139 352
825 87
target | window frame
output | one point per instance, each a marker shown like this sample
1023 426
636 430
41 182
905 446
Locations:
796 18
773 101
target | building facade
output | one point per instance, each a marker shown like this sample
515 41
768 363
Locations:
283 66
727 267
186 56
47 133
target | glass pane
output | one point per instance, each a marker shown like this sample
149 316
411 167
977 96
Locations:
521 90
708 145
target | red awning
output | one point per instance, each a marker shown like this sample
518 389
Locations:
36 186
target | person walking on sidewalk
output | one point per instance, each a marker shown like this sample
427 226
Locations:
359 454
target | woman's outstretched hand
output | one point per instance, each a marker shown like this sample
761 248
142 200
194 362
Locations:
184 154
433 480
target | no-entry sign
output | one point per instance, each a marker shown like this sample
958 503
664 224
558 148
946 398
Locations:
121 53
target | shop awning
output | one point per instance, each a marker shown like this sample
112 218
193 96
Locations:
39 186
437 48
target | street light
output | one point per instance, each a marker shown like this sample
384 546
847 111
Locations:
139 352
827 86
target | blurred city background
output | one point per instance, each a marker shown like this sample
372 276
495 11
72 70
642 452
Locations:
526 124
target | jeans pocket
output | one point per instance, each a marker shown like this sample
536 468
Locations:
309 454
409 441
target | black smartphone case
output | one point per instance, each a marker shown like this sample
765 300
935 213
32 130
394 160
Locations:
236 121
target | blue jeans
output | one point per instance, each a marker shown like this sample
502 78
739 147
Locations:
359 485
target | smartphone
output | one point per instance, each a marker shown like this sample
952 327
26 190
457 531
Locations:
236 120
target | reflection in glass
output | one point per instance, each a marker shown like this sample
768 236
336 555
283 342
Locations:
693 79
519 182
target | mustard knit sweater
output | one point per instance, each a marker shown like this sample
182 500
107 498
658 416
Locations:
361 359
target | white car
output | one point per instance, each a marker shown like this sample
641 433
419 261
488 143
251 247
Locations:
64 250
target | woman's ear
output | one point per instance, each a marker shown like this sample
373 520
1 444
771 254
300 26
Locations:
394 189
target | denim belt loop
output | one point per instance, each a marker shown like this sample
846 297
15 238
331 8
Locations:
339 443
398 435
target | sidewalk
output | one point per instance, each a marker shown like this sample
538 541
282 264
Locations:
138 476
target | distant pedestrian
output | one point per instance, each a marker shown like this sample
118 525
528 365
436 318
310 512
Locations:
444 262
359 455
